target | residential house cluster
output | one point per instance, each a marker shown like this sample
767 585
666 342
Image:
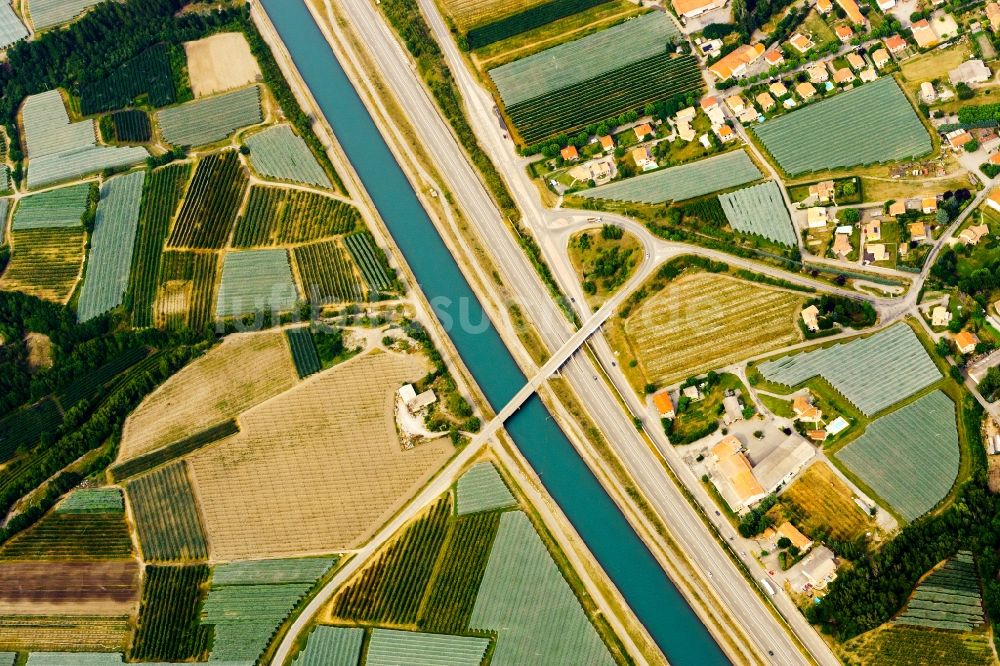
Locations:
710 105
737 61
811 417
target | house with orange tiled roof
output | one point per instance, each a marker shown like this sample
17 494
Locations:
973 234
736 63
778 89
993 201
993 15
798 539
664 405
924 35
643 131
765 101
856 62
852 10
824 6
801 43
725 133
818 73
607 143
966 342
805 90
928 205
880 58
804 410
774 57
842 245
895 43
570 154
918 232
844 33
843 75
897 208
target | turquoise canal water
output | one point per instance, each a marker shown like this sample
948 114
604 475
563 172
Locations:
655 600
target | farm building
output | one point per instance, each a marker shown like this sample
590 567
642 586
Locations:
664 405
809 317
880 58
924 35
818 73
774 58
895 44
970 72
993 14
738 486
966 342
692 8
844 33
855 61
801 43
972 235
781 464
736 62
732 409
852 10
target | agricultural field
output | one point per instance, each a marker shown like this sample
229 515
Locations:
255 280
819 501
304 352
132 126
681 182
949 598
220 62
372 261
161 197
328 274
526 20
89 384
166 515
63 207
11 28
703 321
75 532
186 288
760 210
242 371
482 489
210 119
45 262
332 646
211 203
146 74
111 246
50 13
527 602
93 500
181 447
59 149
469 13
276 216
63 632
389 647
320 438
248 601
910 457
24 427
872 372
871 124
280 154
107 587
168 627
892 645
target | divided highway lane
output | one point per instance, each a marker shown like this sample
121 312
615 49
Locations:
726 581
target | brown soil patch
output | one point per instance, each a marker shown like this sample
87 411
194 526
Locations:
69 588
39 351
317 469
219 63
994 473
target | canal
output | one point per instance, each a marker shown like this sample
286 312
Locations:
657 603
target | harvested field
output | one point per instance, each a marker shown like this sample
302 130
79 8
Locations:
219 63
316 469
166 516
45 262
819 500
67 632
703 321
246 369
69 588
39 351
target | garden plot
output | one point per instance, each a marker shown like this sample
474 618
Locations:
389 647
909 457
219 63
333 440
760 210
872 373
58 149
49 13
947 599
255 280
111 246
56 208
11 28
527 602
244 370
584 59
45 262
682 182
332 646
210 119
482 489
279 153
703 321
871 124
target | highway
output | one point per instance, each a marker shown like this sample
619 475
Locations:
726 583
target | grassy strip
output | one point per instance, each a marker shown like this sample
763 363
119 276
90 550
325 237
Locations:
146 462
409 23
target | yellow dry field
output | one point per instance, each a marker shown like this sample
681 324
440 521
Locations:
46 263
704 321
219 63
471 13
46 633
318 469
246 369
819 499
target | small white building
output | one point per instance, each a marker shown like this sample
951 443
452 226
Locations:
927 93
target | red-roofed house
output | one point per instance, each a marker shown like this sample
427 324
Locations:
966 342
844 33
569 154
895 44
774 57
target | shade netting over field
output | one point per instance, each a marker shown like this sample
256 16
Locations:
48 13
909 457
56 208
482 489
389 647
210 119
582 59
872 373
4 178
332 646
58 149
278 152
93 500
870 124
254 280
525 599
947 599
682 182
759 210
74 659
11 28
111 246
